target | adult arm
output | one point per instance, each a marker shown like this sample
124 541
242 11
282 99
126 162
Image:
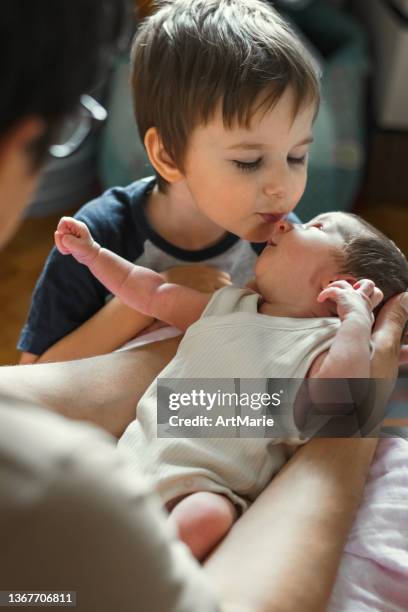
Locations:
103 390
289 543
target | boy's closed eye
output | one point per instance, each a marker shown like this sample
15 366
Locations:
252 166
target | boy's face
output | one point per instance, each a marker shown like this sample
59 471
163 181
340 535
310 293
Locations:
244 180
300 261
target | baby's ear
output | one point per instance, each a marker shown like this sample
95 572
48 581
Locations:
349 278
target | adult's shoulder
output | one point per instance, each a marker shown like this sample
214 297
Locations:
74 517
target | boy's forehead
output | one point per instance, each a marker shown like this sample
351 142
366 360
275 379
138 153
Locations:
276 125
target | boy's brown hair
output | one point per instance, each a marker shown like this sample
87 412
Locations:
192 56
372 255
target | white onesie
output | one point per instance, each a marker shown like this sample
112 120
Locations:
230 340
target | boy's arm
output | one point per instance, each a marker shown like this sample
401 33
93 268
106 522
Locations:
115 324
108 329
135 286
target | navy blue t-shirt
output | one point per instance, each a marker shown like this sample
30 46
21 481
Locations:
67 294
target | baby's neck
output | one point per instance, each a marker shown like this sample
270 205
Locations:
279 309
175 218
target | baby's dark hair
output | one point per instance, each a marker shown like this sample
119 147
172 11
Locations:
370 254
192 57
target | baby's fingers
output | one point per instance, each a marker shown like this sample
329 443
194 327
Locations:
365 285
69 225
370 291
332 292
58 243
339 284
377 297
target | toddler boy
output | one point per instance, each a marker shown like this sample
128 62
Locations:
225 95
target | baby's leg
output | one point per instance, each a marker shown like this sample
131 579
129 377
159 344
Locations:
202 520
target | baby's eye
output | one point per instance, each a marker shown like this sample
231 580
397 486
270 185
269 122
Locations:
247 166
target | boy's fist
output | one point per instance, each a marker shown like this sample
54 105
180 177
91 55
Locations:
72 237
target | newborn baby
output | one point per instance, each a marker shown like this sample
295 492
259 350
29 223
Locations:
310 316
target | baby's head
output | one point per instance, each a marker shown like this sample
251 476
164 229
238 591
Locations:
301 260
205 74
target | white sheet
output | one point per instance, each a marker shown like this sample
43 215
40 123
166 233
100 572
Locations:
153 336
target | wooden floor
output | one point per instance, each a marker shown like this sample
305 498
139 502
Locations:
20 265
22 261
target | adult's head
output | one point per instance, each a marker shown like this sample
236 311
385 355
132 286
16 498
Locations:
51 52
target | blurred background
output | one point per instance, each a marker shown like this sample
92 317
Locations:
358 162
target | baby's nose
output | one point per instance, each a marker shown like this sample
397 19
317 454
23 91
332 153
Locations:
283 226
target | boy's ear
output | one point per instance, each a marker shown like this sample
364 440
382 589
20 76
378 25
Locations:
159 158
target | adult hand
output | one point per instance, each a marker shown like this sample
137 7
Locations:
387 337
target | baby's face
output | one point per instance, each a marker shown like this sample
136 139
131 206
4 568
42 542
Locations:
244 180
300 260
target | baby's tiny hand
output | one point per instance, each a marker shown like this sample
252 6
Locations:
360 298
72 237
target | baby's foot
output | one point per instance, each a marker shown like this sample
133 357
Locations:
72 237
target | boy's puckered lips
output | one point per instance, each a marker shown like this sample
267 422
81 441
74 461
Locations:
272 218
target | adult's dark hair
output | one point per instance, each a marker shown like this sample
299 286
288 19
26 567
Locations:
52 51
193 56
370 254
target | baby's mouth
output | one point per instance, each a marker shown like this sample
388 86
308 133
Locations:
271 243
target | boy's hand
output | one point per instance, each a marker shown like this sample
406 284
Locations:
72 237
206 279
358 299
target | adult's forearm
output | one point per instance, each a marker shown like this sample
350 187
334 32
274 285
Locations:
283 554
104 390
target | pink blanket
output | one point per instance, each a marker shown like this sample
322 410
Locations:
373 574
